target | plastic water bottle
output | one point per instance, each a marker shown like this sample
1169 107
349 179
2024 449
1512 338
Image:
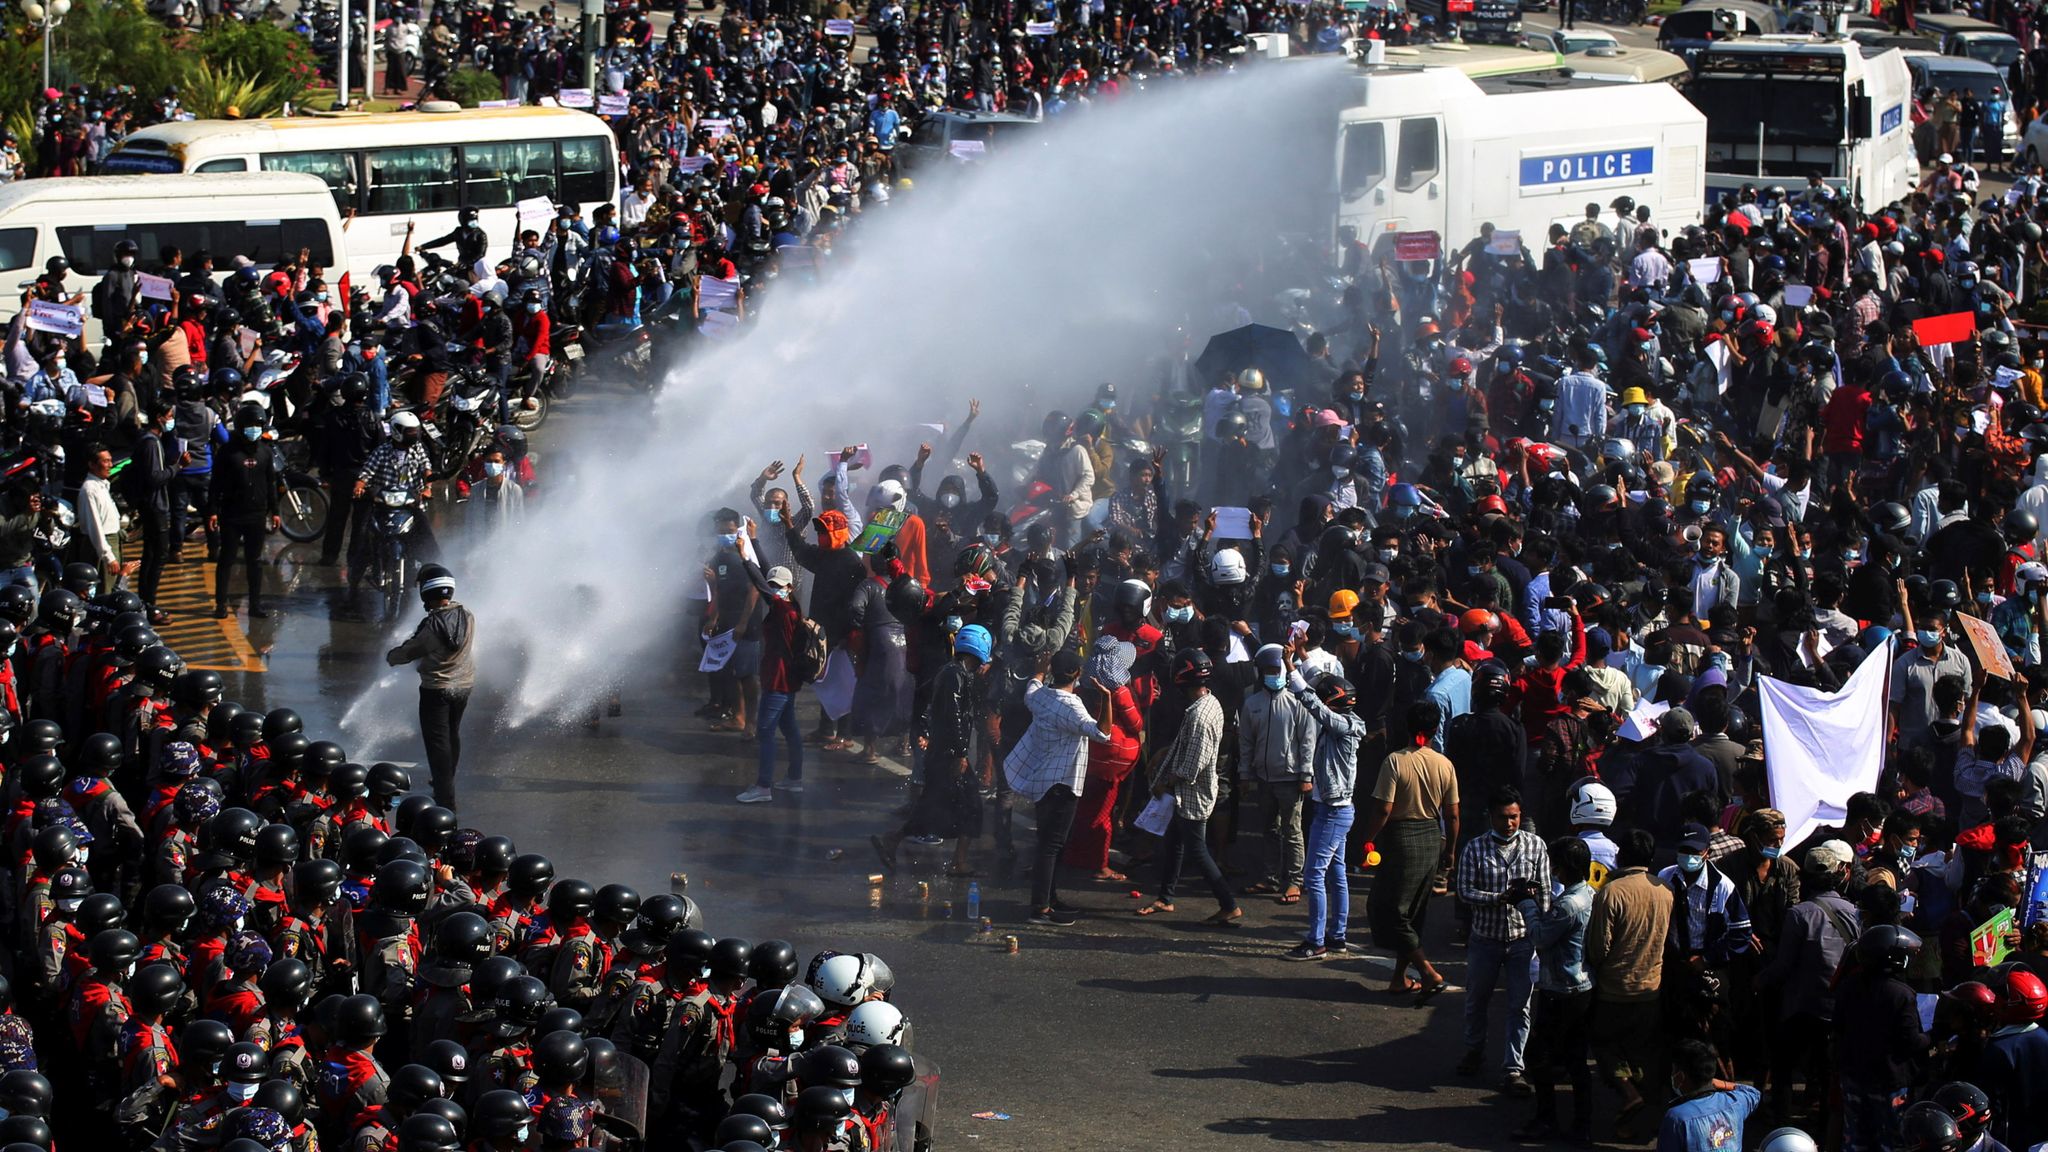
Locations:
974 902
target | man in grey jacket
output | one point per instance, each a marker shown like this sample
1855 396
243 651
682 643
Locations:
1276 741
445 646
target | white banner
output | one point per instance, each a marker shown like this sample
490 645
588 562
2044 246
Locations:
575 98
715 293
838 27
1041 28
614 104
535 212
715 127
717 651
1820 748
49 316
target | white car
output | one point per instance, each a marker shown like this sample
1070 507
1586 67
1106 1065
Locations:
1571 43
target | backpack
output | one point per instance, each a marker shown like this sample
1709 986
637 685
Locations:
807 654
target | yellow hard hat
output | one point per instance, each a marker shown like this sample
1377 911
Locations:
1634 396
1342 601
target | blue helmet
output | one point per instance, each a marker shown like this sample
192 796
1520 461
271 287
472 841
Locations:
606 236
975 641
1404 496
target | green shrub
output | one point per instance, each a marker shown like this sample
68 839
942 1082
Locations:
473 86
270 56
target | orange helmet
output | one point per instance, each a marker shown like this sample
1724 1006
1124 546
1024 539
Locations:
1493 506
1342 601
1476 620
1427 328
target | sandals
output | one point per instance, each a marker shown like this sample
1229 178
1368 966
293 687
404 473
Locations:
1110 875
1262 888
1291 896
1408 988
1423 992
1154 908
1229 919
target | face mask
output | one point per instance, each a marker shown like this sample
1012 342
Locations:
1473 569
242 1093
1927 638
949 500
522 1133
1503 837
494 469
1414 657
1771 853
533 309
320 297
1282 569
1851 556
954 623
1723 661
1109 406
252 433
1983 597
1762 552
1907 853
69 906
1700 507
728 538
1180 615
127 261
796 1039
57 365
991 539
168 423
775 515
1389 555
1272 681
1691 864
848 1093
1355 396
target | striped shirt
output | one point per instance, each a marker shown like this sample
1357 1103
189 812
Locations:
1486 867
1054 749
1190 764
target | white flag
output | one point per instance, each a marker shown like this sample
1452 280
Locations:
1820 748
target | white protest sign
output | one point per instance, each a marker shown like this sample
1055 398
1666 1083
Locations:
535 212
718 324
95 396
838 27
49 316
1823 747
1233 524
718 650
154 287
1505 242
575 98
1705 270
715 293
966 148
1798 295
715 128
613 104
1041 28
693 163
1724 365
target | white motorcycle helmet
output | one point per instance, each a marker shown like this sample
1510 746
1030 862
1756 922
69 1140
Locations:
842 980
875 1022
1226 567
887 494
1592 803
404 420
1788 1140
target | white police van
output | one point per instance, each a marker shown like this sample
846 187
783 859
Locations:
1429 150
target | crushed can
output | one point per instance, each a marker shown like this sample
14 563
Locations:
1010 945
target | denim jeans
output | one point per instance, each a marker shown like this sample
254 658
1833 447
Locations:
778 711
1323 881
1189 840
1485 960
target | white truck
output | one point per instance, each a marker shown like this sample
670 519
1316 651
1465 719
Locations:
1430 150
1782 108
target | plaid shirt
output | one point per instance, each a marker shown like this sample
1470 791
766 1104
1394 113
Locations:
1486 867
391 466
1054 749
1190 764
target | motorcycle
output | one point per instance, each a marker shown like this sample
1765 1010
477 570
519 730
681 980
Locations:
461 424
394 513
302 506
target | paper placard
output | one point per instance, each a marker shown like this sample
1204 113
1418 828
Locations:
1642 722
154 287
835 687
1233 524
715 293
718 324
693 163
1157 815
94 395
1417 246
1041 28
1991 941
1984 641
50 316
614 104
1723 360
535 212
838 27
715 127
717 651
966 148
1946 329
1798 295
575 98
1705 270
1505 242
247 339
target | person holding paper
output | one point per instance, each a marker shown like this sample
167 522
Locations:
1187 773
1049 767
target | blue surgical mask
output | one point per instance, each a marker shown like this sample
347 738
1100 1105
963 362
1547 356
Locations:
1282 569
1771 853
1927 638
1907 853
1983 597
953 623
1636 409
1180 615
991 539
1762 552
1700 507
775 515
1691 864
1272 680
728 538
1413 657
252 433
533 309
494 469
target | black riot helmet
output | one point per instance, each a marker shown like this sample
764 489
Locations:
529 876
560 1058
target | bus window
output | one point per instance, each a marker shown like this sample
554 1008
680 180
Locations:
1418 153
501 175
225 164
586 173
91 249
412 180
17 248
338 169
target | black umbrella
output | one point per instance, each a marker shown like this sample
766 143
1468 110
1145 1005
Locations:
1273 351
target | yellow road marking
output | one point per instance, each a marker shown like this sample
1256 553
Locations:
202 641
